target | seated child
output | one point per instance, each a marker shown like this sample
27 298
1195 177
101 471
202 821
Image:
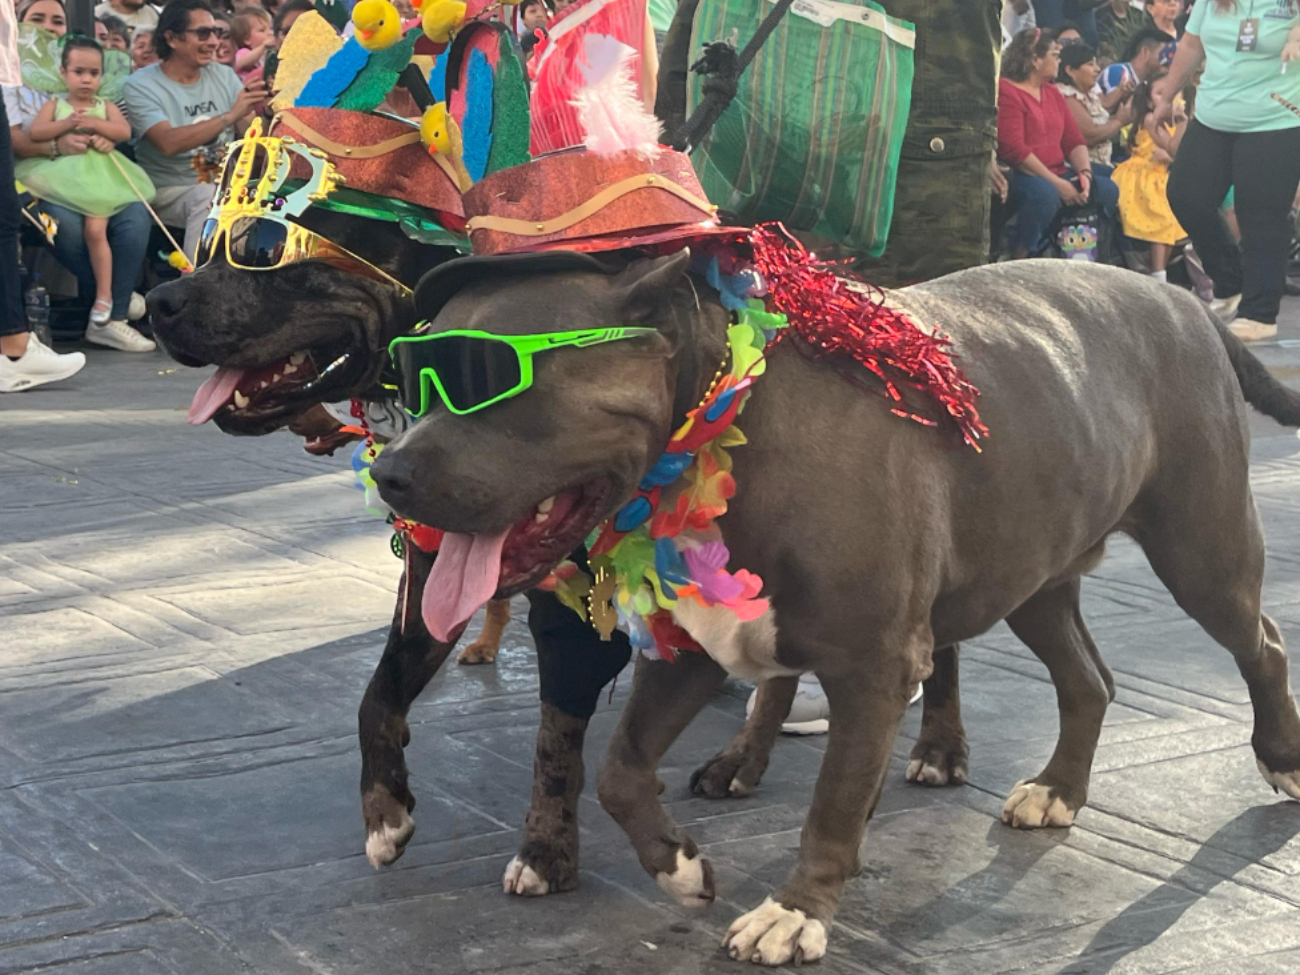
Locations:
97 183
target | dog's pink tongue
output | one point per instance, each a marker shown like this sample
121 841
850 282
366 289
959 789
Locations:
463 578
213 394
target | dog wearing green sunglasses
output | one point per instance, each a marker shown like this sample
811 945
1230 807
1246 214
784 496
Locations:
1114 403
314 333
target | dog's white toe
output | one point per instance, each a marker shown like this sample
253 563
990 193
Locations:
1287 782
385 845
690 883
918 771
1032 806
775 935
523 880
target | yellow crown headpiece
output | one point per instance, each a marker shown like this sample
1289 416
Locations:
255 171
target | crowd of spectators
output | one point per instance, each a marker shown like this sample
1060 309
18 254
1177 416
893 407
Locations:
1157 118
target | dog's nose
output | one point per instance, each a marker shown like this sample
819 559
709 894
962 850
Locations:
167 302
394 475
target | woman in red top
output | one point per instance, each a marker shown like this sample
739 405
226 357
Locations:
1039 139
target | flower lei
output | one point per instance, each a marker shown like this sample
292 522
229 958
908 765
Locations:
652 554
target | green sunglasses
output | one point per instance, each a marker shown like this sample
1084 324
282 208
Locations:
472 370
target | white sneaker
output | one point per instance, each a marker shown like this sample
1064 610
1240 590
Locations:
119 335
810 712
1225 308
39 364
137 309
1249 330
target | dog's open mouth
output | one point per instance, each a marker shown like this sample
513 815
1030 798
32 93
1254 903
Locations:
250 398
471 569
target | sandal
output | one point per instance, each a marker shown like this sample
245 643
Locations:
101 312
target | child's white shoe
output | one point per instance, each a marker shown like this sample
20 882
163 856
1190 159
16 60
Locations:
118 335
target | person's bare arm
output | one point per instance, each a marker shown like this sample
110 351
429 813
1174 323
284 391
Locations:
1191 52
1115 97
25 147
114 127
45 129
1093 134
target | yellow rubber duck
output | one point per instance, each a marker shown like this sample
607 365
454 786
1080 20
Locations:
439 131
378 24
440 18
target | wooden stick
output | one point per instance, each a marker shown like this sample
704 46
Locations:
161 226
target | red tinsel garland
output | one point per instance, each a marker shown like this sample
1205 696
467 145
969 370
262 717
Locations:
834 319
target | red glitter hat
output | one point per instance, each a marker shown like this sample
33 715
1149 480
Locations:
581 200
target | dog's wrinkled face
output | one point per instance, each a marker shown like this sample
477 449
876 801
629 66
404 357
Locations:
553 462
290 338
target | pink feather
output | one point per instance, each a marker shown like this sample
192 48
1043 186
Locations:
608 105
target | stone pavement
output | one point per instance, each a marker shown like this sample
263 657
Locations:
187 621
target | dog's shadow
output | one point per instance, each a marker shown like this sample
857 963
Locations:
1256 833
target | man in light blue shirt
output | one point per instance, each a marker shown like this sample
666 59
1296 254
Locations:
185 102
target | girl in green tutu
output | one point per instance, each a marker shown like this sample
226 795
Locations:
97 183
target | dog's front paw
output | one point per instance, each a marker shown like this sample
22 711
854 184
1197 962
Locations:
939 760
389 826
775 935
690 882
479 652
523 881
1033 805
732 772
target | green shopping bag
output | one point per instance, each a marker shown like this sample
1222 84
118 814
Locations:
814 135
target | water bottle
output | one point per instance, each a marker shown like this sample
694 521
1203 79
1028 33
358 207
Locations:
37 301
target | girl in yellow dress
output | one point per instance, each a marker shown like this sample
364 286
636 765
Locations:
1142 179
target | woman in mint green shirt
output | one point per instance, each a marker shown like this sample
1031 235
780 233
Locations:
1243 138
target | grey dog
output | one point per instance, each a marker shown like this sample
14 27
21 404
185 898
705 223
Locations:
1115 404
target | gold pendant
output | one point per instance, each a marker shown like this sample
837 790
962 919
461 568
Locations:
601 603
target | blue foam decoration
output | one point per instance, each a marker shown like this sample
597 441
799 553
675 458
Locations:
728 293
325 86
476 128
669 564
667 469
438 78
632 514
720 405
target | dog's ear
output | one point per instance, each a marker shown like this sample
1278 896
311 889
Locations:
648 285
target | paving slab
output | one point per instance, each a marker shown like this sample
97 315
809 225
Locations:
188 620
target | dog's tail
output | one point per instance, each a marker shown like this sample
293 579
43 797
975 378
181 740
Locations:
1258 385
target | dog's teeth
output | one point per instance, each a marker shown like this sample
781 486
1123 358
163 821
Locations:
296 359
540 518
289 369
240 400
275 378
546 505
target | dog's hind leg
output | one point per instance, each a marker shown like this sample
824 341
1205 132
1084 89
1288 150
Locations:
940 754
484 650
1051 625
666 695
737 769
574 665
411 658
1208 549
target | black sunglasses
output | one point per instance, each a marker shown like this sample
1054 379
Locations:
207 33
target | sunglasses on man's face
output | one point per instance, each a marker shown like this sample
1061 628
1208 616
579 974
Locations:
207 33
472 370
